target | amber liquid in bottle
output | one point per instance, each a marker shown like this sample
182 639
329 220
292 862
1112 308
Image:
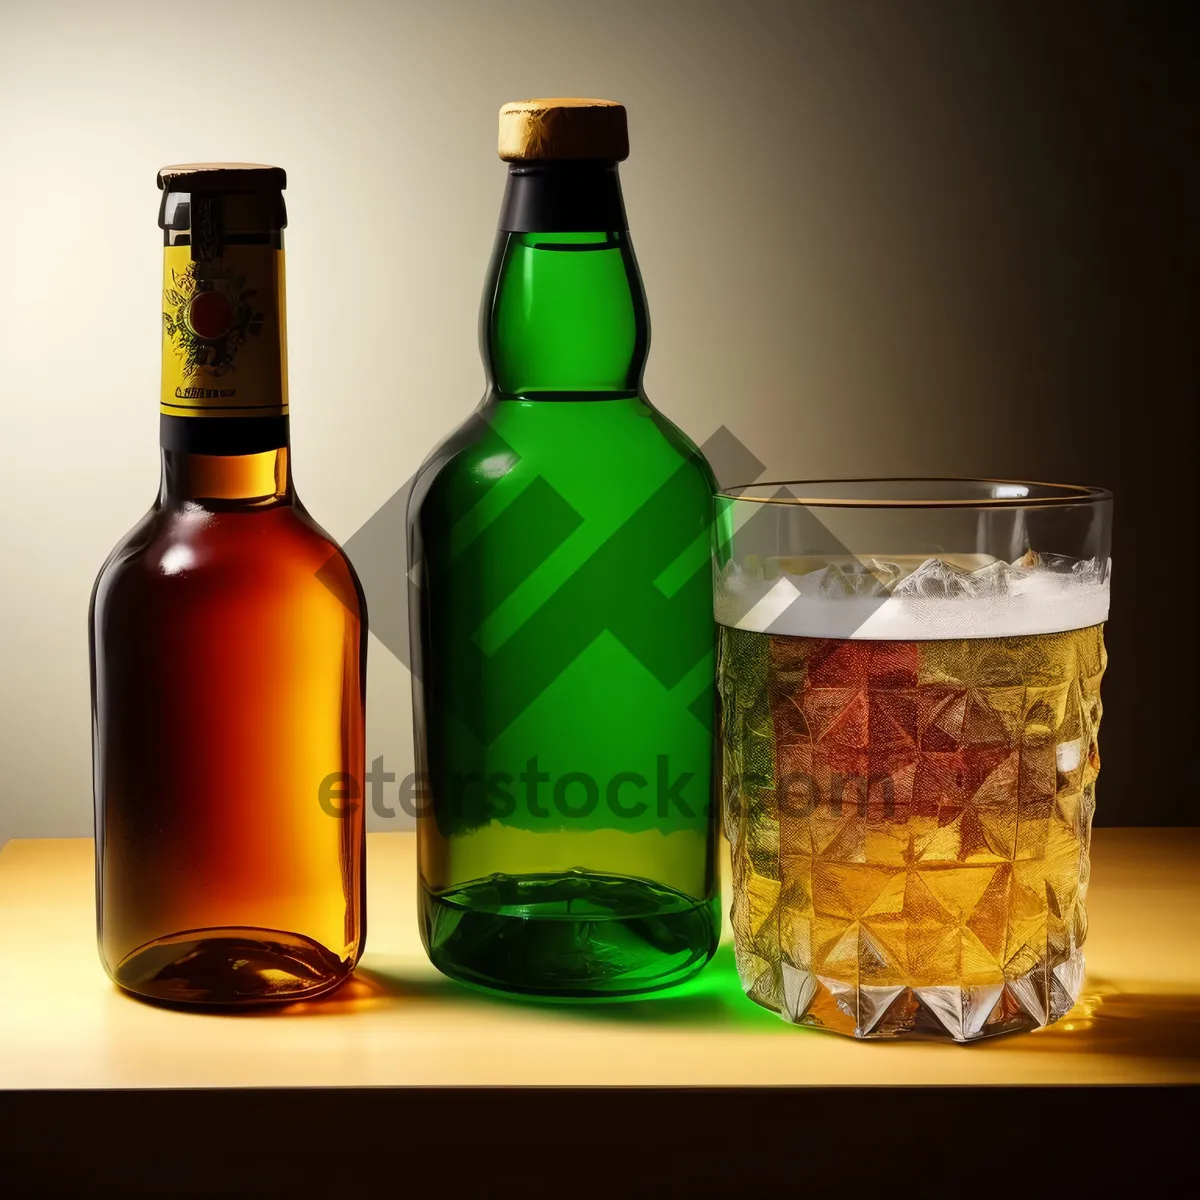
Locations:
228 640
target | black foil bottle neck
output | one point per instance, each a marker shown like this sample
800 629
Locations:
563 197
234 218
229 436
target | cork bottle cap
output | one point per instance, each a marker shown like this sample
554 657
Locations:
222 177
563 128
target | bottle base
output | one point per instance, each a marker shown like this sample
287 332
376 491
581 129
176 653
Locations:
951 1013
231 967
570 936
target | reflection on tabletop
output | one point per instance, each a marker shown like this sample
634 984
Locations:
1111 1017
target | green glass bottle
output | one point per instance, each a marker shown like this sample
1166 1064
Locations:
563 639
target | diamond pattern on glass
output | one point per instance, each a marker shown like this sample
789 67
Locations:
909 824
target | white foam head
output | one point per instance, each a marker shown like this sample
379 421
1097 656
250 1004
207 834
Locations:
875 599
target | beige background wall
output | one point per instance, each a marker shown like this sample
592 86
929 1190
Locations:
876 237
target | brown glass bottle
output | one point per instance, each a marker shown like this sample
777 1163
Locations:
228 644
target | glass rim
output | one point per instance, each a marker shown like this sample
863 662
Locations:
1057 494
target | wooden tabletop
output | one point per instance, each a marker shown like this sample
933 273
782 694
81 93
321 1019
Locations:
397 1023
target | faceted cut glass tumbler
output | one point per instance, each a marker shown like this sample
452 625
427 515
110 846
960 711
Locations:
909 675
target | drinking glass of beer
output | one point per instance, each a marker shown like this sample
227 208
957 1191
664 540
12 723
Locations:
909 677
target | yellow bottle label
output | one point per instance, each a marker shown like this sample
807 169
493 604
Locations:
224 348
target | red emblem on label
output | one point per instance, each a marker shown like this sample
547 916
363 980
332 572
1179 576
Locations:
210 315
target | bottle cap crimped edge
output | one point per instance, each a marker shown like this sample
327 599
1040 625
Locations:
222 177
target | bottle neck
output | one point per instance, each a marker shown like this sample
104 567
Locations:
256 479
224 410
564 313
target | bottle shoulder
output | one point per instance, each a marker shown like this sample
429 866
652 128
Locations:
190 546
685 447
620 441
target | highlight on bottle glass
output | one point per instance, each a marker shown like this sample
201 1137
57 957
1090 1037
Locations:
909 675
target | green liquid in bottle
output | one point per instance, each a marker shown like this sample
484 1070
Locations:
564 646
